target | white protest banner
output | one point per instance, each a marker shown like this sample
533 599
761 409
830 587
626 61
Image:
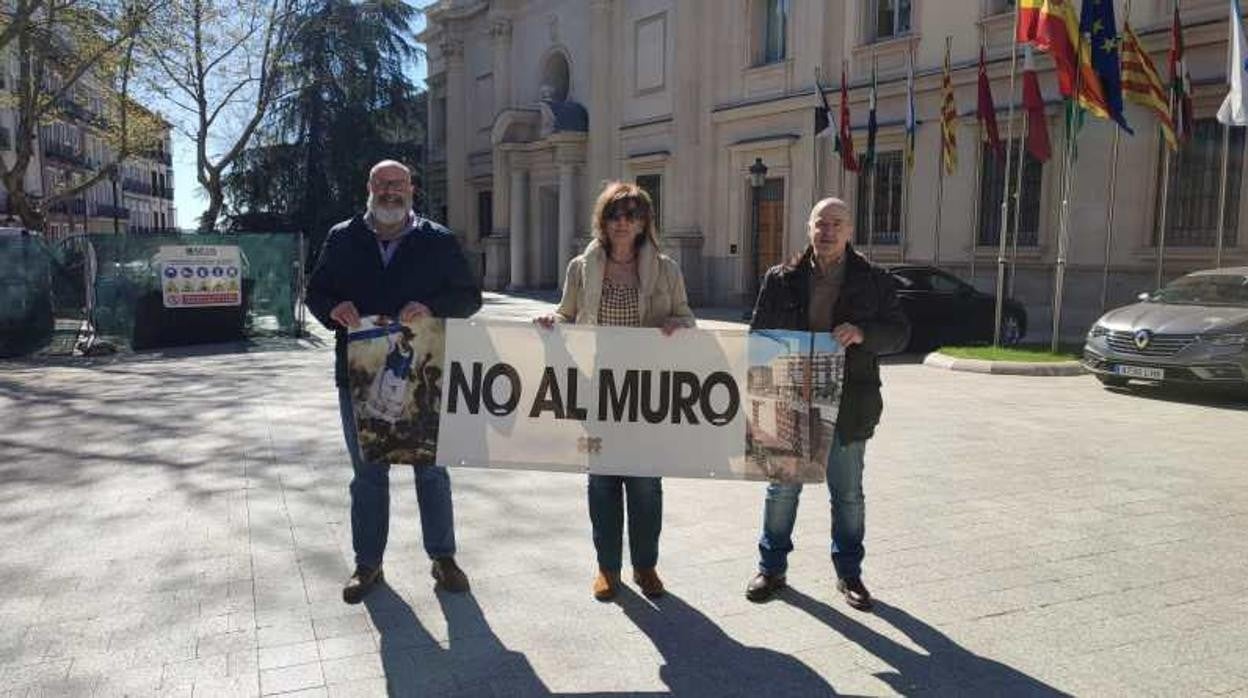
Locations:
200 276
609 400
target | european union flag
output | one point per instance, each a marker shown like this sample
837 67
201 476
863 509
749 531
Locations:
1096 23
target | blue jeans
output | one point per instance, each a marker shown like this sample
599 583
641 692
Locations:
370 500
645 519
845 464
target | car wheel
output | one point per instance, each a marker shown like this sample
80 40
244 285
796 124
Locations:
1112 381
1011 329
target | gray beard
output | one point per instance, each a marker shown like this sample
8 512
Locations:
386 215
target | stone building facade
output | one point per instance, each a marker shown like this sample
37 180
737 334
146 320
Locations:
535 103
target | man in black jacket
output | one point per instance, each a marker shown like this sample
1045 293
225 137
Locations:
389 261
830 287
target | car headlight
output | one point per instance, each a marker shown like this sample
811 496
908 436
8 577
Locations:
1231 339
1098 330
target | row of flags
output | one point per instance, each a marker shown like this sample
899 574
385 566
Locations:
1097 69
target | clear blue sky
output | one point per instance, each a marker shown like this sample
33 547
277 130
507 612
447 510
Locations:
189 197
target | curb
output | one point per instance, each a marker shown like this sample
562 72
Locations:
1010 368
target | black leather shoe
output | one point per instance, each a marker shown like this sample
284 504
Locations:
448 575
764 586
360 583
856 594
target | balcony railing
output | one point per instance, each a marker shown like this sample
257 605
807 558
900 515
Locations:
65 153
137 186
73 207
110 211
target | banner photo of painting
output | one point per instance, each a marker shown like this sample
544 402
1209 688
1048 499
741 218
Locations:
626 401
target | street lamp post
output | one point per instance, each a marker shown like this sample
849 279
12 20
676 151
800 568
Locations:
112 175
758 177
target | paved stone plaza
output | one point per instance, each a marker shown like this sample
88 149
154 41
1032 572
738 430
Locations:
177 525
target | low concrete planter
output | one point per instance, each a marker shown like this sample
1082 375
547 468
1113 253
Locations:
1011 368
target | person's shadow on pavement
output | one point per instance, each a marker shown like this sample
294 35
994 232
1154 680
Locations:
700 659
946 666
474 663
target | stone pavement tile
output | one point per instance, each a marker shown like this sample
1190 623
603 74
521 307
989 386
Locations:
337 626
363 688
354 668
278 656
12 676
285 633
347 646
225 643
293 678
188 672
231 687
319 692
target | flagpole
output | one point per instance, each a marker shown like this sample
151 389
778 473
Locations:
815 166
908 154
840 185
871 162
1226 152
1018 205
1063 237
1005 202
1165 205
1113 182
979 172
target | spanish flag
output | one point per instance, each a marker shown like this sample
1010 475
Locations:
1051 26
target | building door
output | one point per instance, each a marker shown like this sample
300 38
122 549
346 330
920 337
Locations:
770 228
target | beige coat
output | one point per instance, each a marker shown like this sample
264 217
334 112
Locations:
661 294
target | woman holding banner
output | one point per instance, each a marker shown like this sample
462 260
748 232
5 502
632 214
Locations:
622 279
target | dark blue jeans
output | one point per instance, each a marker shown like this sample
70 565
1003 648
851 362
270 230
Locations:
845 465
607 494
370 500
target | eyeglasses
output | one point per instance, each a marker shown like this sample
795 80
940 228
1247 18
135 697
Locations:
391 184
623 213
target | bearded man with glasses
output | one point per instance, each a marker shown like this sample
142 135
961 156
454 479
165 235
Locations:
390 261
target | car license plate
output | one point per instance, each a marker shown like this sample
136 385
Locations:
1145 372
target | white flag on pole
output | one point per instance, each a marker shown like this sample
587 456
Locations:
1234 110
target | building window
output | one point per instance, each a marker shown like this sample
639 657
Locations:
485 213
992 186
998 7
652 184
889 173
771 19
887 19
1195 185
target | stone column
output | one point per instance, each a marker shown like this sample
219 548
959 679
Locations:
500 32
567 216
519 215
457 144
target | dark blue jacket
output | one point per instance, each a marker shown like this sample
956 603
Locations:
428 267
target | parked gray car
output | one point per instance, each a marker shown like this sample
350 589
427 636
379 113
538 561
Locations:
1193 331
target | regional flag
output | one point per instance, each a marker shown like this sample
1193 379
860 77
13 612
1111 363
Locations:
1050 26
1142 84
1180 82
912 124
1234 109
848 161
1033 103
868 160
825 125
948 118
986 111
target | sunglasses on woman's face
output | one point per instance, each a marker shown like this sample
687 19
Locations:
628 213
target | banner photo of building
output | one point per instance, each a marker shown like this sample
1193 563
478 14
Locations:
727 404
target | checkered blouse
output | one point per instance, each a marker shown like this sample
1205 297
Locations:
619 305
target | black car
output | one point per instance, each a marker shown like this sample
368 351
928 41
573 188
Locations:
945 310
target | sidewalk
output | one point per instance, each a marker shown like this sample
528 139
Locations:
177 525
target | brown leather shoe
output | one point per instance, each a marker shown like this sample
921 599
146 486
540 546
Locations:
448 576
606 584
647 579
360 583
764 586
856 594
